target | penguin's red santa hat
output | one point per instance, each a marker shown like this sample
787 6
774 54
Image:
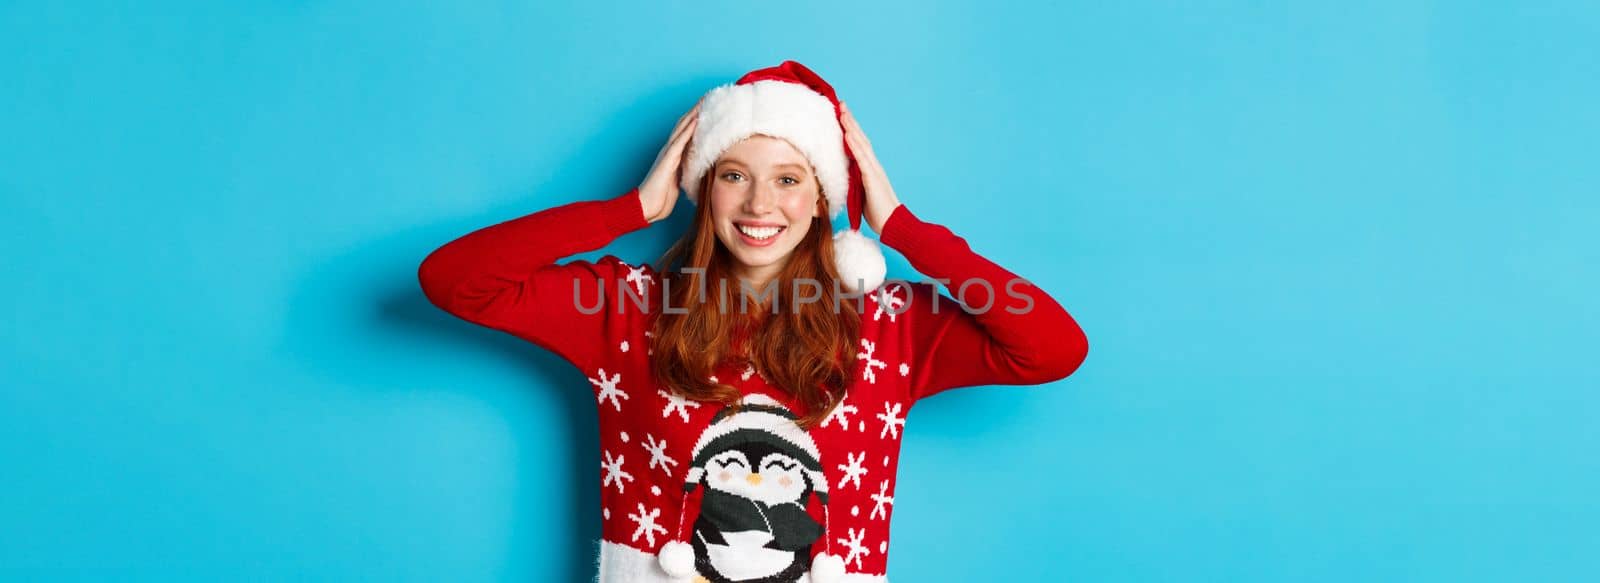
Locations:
791 102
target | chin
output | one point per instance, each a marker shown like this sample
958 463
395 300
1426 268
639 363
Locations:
757 260
758 257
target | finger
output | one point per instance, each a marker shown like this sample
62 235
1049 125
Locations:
857 139
865 155
865 143
857 125
685 126
862 150
688 129
859 144
690 115
855 129
871 157
694 111
858 148
684 121
681 143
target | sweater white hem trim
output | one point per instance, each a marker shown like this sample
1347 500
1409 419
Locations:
620 563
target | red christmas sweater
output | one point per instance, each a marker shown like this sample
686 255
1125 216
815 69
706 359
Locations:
754 497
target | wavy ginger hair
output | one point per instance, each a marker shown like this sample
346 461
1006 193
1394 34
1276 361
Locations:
807 350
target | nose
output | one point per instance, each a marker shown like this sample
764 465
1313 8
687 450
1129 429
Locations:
754 479
762 199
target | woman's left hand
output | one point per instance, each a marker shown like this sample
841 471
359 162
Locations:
881 200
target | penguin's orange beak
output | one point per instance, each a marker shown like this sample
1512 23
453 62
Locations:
754 479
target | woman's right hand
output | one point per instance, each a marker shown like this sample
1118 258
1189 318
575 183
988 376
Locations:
659 191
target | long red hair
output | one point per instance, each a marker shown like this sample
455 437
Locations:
805 349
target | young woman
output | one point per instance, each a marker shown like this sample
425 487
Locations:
752 387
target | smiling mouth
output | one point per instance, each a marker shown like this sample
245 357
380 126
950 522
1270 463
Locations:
760 233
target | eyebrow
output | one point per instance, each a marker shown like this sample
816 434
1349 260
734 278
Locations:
742 163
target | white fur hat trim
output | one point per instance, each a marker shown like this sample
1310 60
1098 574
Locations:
780 109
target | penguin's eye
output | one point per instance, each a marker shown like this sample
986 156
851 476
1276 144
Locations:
731 461
781 464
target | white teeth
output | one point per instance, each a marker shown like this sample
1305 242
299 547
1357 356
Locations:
759 232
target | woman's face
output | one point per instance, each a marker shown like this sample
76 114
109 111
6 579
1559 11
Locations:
763 198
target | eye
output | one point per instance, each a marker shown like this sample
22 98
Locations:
779 463
725 175
791 180
731 461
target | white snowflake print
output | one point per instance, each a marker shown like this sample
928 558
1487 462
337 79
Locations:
889 298
608 388
624 346
750 368
853 471
614 472
854 544
905 369
870 363
682 404
658 454
637 277
880 500
839 414
648 336
647 525
891 420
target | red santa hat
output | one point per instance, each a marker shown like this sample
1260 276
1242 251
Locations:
791 102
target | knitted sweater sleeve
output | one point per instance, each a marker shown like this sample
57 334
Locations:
505 276
1007 332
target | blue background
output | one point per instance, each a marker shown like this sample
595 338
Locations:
1337 265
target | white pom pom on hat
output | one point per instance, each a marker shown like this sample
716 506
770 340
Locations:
790 101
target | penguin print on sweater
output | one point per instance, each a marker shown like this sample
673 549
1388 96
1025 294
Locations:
758 471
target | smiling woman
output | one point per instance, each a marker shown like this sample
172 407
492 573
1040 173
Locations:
755 281
755 445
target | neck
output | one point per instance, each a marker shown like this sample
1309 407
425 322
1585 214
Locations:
757 278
